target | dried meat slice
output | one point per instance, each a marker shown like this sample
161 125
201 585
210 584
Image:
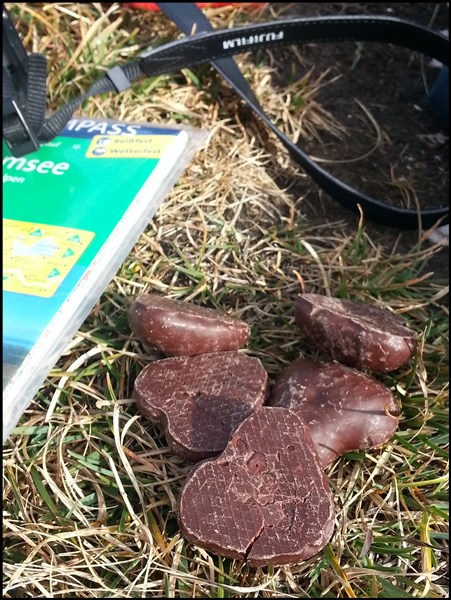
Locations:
265 498
199 400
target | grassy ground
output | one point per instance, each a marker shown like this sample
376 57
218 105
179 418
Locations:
89 487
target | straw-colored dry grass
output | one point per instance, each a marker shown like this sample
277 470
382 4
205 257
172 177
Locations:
90 487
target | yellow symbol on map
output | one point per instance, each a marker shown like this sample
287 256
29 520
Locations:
37 257
129 146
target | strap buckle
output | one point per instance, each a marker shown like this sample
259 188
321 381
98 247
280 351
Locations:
16 131
23 140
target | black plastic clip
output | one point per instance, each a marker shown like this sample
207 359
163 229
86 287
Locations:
17 133
24 141
118 78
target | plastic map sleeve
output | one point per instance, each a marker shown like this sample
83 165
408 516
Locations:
71 214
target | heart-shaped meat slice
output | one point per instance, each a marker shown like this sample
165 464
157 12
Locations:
356 334
178 328
344 408
199 400
265 498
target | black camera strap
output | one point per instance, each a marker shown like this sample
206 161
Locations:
218 46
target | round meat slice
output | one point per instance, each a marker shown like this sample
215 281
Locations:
343 408
178 328
356 334
265 499
198 401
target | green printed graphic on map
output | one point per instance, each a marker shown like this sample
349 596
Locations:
37 257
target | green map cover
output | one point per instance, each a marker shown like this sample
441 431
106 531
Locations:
71 213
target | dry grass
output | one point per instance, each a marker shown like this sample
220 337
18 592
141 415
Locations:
90 487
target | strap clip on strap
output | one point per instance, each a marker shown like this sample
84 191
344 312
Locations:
118 78
16 131
25 141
